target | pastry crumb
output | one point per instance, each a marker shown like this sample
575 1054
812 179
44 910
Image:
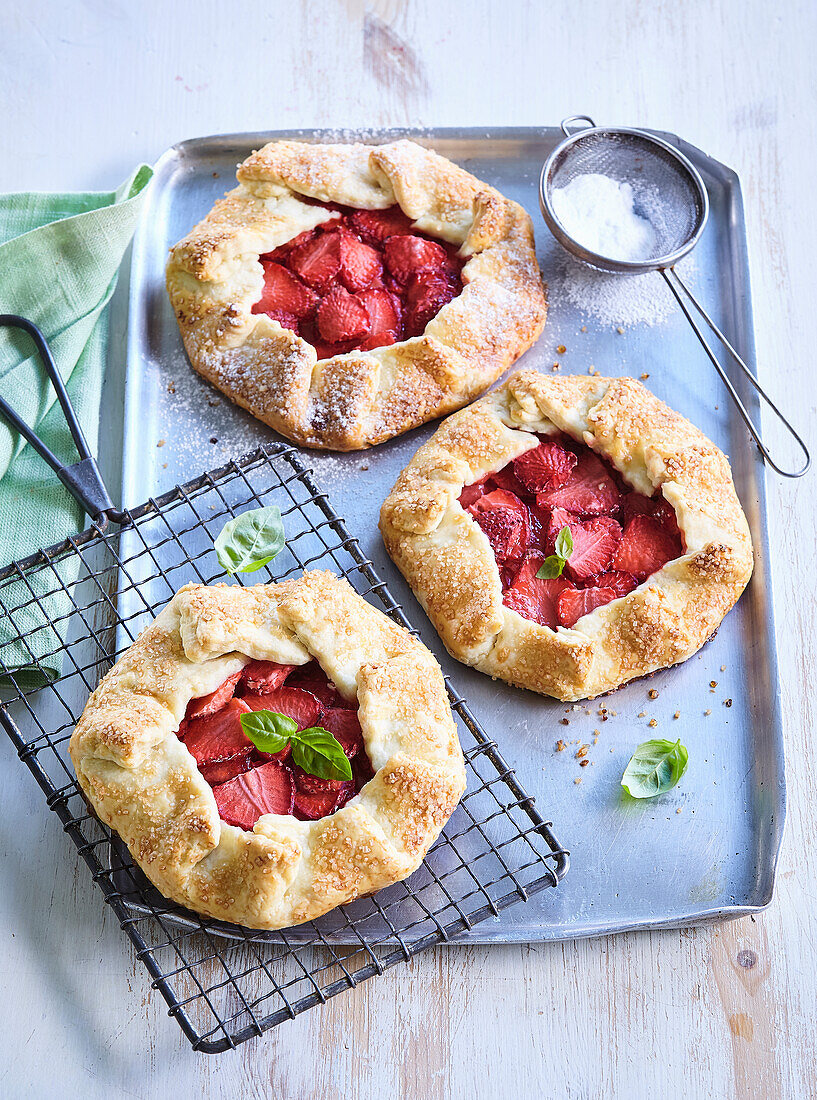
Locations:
561 349
653 722
160 443
642 714
582 751
560 745
583 763
727 702
677 714
577 780
713 683
644 376
565 721
653 694
619 330
707 713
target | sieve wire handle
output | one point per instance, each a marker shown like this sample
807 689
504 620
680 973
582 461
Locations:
565 124
678 288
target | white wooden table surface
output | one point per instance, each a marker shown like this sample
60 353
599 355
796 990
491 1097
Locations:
87 89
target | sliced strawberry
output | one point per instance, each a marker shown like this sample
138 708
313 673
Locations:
317 261
589 490
284 293
408 255
310 807
553 520
300 705
342 316
360 264
285 320
218 736
472 493
532 597
506 523
377 226
645 547
377 340
621 583
265 790
313 784
263 676
576 602
220 771
280 254
313 679
635 504
382 310
210 704
594 543
426 294
362 770
547 466
344 725
506 479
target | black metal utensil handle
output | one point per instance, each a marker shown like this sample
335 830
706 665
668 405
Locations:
82 479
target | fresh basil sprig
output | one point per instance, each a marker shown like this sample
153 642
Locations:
314 749
655 767
552 566
250 540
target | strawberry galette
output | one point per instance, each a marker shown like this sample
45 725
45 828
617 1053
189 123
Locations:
269 753
568 534
346 293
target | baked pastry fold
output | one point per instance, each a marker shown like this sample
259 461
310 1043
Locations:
143 782
449 563
360 398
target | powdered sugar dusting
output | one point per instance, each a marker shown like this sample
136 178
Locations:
615 300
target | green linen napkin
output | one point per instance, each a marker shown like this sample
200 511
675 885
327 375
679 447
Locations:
59 260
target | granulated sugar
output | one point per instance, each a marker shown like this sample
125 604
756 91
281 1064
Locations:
615 300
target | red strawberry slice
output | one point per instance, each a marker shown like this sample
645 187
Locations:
265 790
342 316
360 264
313 679
506 523
382 310
220 771
285 320
594 543
621 583
589 490
408 255
344 725
313 784
635 504
218 736
646 547
263 676
553 520
317 261
362 770
284 293
377 340
426 294
206 705
310 807
547 466
281 253
576 602
377 226
506 479
471 493
532 597
300 705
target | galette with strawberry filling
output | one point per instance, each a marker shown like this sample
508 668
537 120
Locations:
569 534
269 753
347 293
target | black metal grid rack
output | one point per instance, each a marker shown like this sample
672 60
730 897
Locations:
75 607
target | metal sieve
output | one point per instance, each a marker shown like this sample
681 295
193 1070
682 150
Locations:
670 194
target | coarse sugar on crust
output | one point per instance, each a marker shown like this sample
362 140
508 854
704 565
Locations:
143 782
449 563
358 399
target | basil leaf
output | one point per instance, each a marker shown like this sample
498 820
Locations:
564 544
268 730
655 767
250 540
319 753
550 568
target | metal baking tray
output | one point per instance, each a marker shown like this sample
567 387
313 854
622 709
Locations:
707 849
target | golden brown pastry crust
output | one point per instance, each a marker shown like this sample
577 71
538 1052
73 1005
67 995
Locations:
143 782
449 563
362 398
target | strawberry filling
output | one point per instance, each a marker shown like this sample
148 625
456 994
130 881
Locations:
364 280
248 783
619 537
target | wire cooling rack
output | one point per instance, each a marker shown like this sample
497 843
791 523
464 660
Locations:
77 606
